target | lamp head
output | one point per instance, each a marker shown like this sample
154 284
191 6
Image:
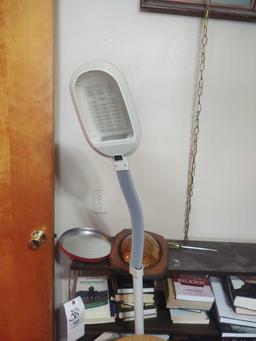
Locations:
105 109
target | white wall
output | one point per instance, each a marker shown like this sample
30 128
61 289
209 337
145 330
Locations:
158 55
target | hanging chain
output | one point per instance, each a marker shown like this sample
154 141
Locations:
195 131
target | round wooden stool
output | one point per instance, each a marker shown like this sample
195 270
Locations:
140 338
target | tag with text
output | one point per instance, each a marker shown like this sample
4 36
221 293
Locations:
74 311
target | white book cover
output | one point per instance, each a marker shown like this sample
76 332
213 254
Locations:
234 331
172 302
244 311
225 309
243 294
192 288
95 296
188 316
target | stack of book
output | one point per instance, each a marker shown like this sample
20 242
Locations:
124 298
94 292
235 299
189 298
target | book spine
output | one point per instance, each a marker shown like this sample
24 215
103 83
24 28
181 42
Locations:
147 298
112 305
229 289
130 290
237 322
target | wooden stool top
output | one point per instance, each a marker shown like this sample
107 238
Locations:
140 338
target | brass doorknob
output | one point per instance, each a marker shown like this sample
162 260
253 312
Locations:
38 238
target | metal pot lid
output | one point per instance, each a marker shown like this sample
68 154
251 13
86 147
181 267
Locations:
85 244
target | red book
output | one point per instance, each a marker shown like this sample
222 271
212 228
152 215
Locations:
192 288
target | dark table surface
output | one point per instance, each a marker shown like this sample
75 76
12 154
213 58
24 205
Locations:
236 258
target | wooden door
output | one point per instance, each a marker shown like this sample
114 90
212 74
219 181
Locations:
26 169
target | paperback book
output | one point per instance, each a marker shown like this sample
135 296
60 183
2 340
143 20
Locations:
172 302
239 310
147 298
125 310
224 308
124 298
192 288
124 285
145 317
232 330
94 292
242 291
188 316
128 314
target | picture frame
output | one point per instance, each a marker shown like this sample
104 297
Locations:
241 10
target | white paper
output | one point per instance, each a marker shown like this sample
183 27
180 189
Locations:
74 311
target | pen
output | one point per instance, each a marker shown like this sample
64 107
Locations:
174 245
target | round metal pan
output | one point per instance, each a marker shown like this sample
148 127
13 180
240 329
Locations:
85 244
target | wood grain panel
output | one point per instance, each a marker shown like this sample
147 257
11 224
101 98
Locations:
26 168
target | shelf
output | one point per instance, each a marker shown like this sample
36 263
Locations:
235 258
154 326
231 258
159 325
91 269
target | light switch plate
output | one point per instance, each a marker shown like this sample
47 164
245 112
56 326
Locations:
99 201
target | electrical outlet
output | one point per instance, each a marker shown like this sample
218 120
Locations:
99 201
